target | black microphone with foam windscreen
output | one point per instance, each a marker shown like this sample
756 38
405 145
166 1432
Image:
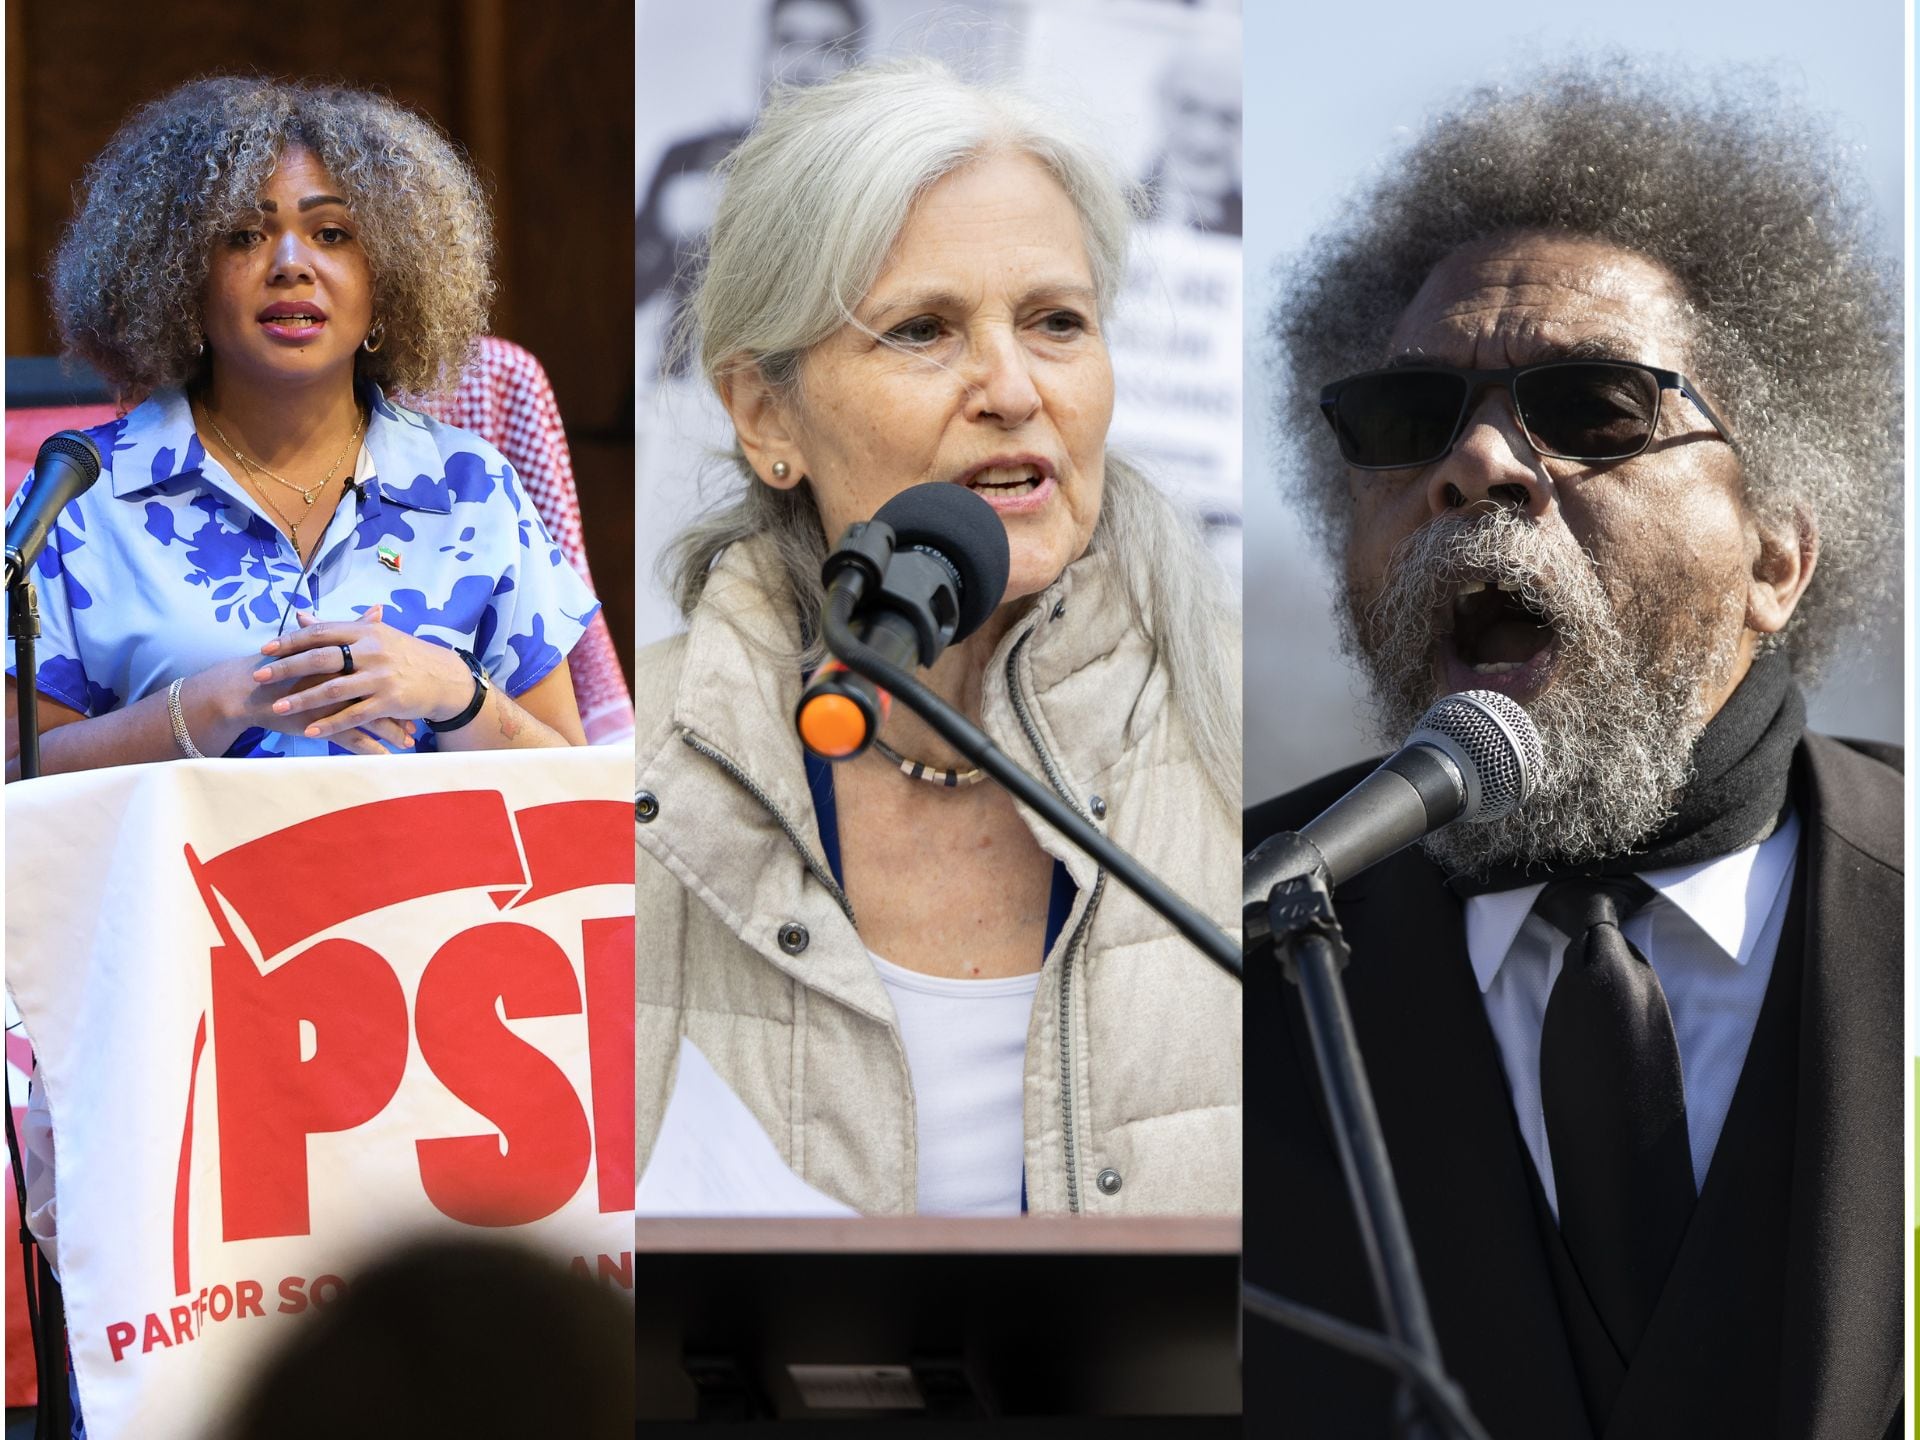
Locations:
927 571
67 463
923 574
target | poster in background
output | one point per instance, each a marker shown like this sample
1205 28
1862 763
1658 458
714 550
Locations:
1157 82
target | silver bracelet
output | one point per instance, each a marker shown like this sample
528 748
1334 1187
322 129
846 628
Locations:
181 735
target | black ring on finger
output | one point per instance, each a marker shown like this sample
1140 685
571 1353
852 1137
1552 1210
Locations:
346 659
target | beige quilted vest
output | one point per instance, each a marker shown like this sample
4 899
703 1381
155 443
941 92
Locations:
745 944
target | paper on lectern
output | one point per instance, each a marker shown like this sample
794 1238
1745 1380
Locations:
712 1158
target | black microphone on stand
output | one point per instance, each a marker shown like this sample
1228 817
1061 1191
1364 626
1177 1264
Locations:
1474 756
925 572
67 464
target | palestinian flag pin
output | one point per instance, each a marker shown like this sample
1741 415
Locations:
389 557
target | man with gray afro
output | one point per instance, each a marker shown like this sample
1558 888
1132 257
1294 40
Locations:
1607 380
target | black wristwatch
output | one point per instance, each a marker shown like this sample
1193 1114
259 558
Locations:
482 683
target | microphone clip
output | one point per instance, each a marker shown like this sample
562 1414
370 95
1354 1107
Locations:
873 575
1300 907
1290 896
23 604
903 603
859 562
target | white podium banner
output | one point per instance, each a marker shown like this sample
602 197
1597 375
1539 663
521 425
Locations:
287 1013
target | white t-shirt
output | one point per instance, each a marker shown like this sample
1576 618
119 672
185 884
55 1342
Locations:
967 1052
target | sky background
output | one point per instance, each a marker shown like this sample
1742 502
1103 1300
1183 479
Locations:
1324 109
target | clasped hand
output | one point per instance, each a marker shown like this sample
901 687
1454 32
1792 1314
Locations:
396 679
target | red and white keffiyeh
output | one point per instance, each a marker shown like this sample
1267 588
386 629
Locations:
505 398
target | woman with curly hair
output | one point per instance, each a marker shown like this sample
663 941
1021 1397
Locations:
278 559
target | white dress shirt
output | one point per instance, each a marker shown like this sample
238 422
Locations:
966 1043
1710 935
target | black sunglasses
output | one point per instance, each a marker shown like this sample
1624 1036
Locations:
1592 410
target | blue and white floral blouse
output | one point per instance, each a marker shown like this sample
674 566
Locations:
167 565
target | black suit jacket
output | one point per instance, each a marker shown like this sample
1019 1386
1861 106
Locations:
1784 1312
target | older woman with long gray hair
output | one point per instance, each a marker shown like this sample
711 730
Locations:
928 999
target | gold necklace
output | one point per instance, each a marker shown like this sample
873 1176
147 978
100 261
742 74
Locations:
305 493
293 525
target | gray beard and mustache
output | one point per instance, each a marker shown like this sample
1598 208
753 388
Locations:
1618 722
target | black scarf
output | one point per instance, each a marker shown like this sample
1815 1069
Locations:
1741 766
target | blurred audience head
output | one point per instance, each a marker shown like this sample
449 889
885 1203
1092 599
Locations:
467 1338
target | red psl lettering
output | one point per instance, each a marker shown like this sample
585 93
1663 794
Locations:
547 1149
271 1100
608 948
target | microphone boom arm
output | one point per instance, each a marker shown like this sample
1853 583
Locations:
973 742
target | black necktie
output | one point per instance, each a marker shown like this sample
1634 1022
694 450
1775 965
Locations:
1615 1106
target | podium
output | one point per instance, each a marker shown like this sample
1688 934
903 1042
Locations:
1037 1323
288 1015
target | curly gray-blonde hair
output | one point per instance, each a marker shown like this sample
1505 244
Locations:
1742 194
815 199
187 169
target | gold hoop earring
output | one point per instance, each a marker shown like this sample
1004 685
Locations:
781 470
376 337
